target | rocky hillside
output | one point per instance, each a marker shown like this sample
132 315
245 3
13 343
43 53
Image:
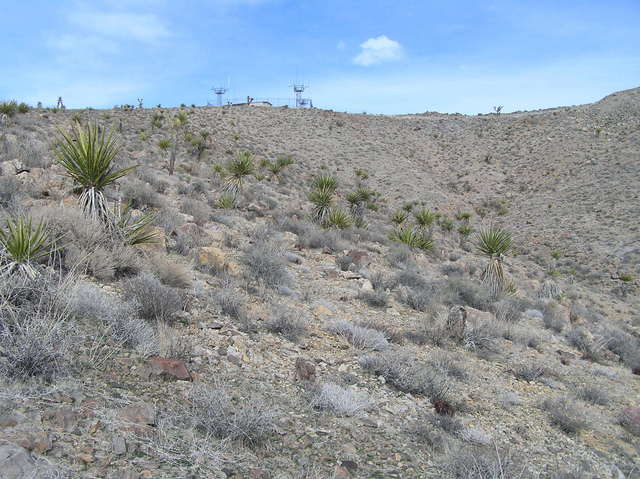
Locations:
260 336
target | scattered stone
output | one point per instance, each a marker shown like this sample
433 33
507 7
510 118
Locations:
119 445
141 413
64 417
168 368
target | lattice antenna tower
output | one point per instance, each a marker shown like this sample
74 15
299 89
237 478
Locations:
298 90
219 91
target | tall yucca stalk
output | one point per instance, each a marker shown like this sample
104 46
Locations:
238 168
88 155
494 243
23 244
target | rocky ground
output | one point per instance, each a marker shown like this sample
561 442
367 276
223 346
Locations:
248 342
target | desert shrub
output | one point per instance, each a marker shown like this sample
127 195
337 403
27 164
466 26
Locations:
199 210
376 298
447 364
407 375
475 463
411 279
445 422
360 337
9 191
593 394
185 242
35 335
227 201
213 411
481 336
379 281
401 256
170 273
287 322
630 419
419 298
9 108
553 318
458 291
626 346
230 303
172 344
90 302
549 291
139 195
452 270
345 262
267 265
154 300
342 401
509 310
529 371
582 340
566 414
393 334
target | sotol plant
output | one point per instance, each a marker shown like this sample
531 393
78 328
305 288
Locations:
23 244
494 243
413 238
88 154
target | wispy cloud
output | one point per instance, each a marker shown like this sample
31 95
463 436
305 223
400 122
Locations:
379 50
143 27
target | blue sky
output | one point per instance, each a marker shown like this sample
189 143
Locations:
378 56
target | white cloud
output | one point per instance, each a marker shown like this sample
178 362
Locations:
378 50
144 27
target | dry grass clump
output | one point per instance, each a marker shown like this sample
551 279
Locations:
342 401
215 412
568 415
266 264
35 335
360 337
89 302
140 195
408 375
10 192
459 291
479 463
170 273
378 298
287 322
154 300
593 394
553 318
198 209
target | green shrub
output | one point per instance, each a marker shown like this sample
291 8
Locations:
164 144
399 217
226 201
337 218
325 183
9 108
238 168
494 243
23 244
23 108
88 155
425 218
412 237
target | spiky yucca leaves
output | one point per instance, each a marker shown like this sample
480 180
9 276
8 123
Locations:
88 155
327 183
23 244
337 218
237 169
357 200
494 242
425 218
399 217
227 201
135 230
413 238
322 201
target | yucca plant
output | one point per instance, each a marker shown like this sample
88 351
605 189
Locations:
494 242
399 217
357 200
9 108
337 218
135 231
413 238
322 201
164 144
325 182
88 155
227 201
23 244
425 218
237 169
